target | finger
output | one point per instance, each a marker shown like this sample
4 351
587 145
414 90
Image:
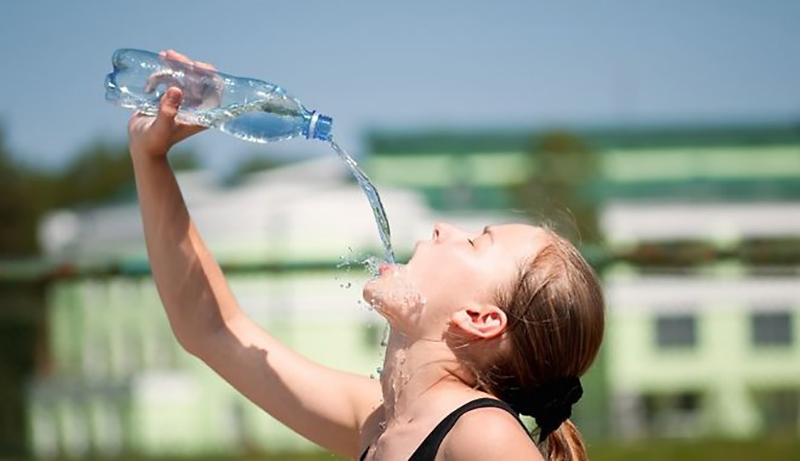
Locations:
175 56
168 108
203 65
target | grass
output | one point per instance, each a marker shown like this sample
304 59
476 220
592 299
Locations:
778 449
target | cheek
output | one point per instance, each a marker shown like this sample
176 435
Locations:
453 284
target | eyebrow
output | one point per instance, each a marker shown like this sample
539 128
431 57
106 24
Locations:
488 230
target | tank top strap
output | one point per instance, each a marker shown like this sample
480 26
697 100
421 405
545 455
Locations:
430 446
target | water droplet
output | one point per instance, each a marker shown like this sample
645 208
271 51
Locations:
379 370
385 336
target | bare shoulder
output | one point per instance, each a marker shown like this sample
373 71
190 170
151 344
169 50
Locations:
489 434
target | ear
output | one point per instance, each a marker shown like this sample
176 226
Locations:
483 322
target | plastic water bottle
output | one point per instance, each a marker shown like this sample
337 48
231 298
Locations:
250 109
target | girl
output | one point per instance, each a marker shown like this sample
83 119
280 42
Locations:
484 327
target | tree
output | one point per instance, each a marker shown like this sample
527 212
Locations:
18 216
557 191
102 172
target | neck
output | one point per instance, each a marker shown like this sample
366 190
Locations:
415 369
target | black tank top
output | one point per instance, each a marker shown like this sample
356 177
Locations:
430 446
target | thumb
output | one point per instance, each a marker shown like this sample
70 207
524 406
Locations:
168 107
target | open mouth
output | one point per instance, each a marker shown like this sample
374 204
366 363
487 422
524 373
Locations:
385 267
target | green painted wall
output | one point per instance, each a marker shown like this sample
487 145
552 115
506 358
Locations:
724 366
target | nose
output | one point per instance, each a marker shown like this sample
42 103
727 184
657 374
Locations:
444 231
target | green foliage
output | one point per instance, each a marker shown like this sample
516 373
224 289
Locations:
184 160
100 173
562 166
20 335
18 214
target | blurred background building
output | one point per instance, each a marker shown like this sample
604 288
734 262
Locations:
695 231
663 138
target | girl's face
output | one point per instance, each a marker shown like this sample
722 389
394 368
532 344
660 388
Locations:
453 270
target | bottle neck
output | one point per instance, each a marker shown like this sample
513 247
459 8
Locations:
319 127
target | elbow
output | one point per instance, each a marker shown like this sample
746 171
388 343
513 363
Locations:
194 333
198 342
188 342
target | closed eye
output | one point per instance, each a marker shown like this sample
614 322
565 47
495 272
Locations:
471 242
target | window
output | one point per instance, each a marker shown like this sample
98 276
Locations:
673 414
771 328
676 331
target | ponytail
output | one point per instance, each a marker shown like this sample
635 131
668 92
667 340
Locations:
564 444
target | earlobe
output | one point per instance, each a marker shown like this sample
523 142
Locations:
483 322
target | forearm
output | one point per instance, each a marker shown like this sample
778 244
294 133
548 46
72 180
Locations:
191 285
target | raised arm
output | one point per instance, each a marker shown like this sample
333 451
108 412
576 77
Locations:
324 405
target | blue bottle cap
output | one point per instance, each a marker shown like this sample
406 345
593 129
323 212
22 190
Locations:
319 127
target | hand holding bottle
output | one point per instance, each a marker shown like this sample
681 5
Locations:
154 136
202 86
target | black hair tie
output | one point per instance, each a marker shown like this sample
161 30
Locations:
549 404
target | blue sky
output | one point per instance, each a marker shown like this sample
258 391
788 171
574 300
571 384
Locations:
410 64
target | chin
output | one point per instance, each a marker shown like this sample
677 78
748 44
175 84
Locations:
374 294
369 291
395 297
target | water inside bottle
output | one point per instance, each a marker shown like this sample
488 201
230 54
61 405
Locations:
257 121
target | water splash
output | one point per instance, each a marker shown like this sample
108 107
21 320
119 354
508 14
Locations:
385 337
372 264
